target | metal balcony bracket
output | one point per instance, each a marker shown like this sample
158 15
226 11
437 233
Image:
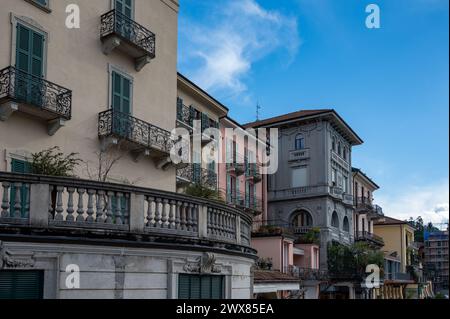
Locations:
107 142
54 125
139 153
141 62
7 109
110 43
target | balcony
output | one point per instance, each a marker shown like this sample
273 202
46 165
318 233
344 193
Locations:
249 204
236 168
298 155
119 31
185 115
194 174
307 274
253 173
54 208
26 93
140 137
369 237
398 276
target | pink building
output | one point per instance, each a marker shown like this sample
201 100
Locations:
240 179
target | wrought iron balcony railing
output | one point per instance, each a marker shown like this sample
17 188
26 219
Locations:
119 31
195 174
43 96
60 206
366 236
308 274
252 171
185 114
245 201
124 126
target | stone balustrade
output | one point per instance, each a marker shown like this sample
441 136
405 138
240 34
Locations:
70 203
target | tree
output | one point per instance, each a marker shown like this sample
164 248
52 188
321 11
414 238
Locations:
53 162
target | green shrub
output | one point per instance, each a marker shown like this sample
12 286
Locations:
53 162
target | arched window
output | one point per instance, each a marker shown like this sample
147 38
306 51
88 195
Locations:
335 220
346 224
339 150
302 219
333 145
344 155
299 142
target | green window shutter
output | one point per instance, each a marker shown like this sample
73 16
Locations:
21 284
229 195
21 167
200 286
121 93
238 192
125 7
18 166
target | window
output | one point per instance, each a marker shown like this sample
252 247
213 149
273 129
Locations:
344 154
345 185
335 220
346 224
299 142
302 219
121 102
339 149
300 177
42 4
21 167
200 287
15 284
125 7
333 144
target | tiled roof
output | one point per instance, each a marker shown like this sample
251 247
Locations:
273 276
389 221
285 117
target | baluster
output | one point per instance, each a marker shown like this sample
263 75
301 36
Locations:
188 217
227 225
59 204
90 207
109 211
100 206
209 221
178 216
5 200
183 216
221 223
150 215
158 213
50 203
214 222
70 210
17 201
165 215
80 210
172 214
194 218
26 210
118 212
126 211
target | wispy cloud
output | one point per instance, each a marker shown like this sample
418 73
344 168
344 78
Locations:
431 202
219 53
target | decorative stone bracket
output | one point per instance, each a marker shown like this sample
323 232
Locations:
205 264
8 261
7 109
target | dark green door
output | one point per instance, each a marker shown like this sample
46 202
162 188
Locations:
20 284
200 287
30 65
121 105
124 18
22 167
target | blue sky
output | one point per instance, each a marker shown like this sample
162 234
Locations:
390 84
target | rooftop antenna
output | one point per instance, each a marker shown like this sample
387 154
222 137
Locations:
258 110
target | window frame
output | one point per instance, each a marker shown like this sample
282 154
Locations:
299 139
111 69
43 7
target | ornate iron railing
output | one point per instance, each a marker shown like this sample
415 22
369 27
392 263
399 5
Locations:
185 114
307 273
114 22
365 235
245 201
125 126
26 88
193 173
72 206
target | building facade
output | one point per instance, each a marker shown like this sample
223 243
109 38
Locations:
313 185
436 259
108 92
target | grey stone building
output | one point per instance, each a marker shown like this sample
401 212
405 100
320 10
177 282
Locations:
313 184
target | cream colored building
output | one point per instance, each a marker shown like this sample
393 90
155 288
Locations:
75 59
108 88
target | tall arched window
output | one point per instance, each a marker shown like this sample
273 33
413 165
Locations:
302 219
339 149
346 225
333 145
335 220
344 155
299 142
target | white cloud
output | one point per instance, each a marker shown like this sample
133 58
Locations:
429 201
219 54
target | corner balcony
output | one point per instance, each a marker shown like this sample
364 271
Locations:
26 93
241 201
140 137
56 209
192 174
369 238
117 31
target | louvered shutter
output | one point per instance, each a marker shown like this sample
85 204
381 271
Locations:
21 284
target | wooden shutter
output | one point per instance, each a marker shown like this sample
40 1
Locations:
200 287
121 93
22 167
17 284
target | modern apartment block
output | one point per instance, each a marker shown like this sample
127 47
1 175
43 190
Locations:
436 259
313 185
107 91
